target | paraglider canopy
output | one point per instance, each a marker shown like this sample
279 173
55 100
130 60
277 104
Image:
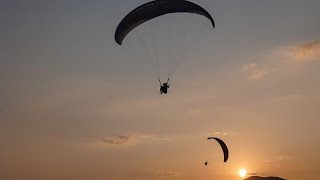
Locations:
223 146
154 9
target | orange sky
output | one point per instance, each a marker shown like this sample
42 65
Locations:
75 105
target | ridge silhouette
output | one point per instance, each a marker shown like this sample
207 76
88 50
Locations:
263 178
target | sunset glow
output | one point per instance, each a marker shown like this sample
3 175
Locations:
242 173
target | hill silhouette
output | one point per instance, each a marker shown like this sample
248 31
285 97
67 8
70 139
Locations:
263 178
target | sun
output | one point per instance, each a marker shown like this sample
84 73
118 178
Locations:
242 173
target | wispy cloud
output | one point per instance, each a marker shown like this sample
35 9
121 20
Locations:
279 161
253 174
284 158
117 140
163 139
305 52
309 51
218 133
124 141
167 174
280 158
254 71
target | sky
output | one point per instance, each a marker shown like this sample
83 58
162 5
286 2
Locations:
75 105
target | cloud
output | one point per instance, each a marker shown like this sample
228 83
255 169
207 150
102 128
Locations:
280 161
163 139
252 174
284 158
254 71
124 141
306 52
280 158
167 174
118 140
218 133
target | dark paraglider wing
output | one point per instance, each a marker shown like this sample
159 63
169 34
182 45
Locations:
154 9
223 146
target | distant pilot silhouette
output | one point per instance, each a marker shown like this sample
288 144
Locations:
164 88
206 163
